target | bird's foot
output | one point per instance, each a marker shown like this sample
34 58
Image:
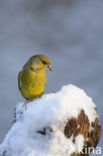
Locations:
48 93
25 104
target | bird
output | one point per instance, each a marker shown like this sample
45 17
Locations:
32 79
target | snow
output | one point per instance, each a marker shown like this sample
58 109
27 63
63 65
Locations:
51 112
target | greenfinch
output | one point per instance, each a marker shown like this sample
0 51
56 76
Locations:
32 78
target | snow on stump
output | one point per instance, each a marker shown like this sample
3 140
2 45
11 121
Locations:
60 124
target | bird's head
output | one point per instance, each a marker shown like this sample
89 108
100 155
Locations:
37 62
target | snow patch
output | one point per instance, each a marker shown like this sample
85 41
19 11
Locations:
49 113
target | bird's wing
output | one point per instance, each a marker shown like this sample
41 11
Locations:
19 80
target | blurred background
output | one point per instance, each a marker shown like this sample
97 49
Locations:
69 32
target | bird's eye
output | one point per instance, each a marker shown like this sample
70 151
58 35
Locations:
44 62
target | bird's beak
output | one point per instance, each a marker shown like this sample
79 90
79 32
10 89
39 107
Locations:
49 67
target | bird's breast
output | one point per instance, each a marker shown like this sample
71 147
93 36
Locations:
33 83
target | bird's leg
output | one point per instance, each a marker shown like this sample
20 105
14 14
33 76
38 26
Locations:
48 93
25 104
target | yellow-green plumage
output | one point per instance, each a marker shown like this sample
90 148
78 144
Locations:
32 78
32 84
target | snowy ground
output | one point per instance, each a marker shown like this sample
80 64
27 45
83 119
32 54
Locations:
69 32
49 115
